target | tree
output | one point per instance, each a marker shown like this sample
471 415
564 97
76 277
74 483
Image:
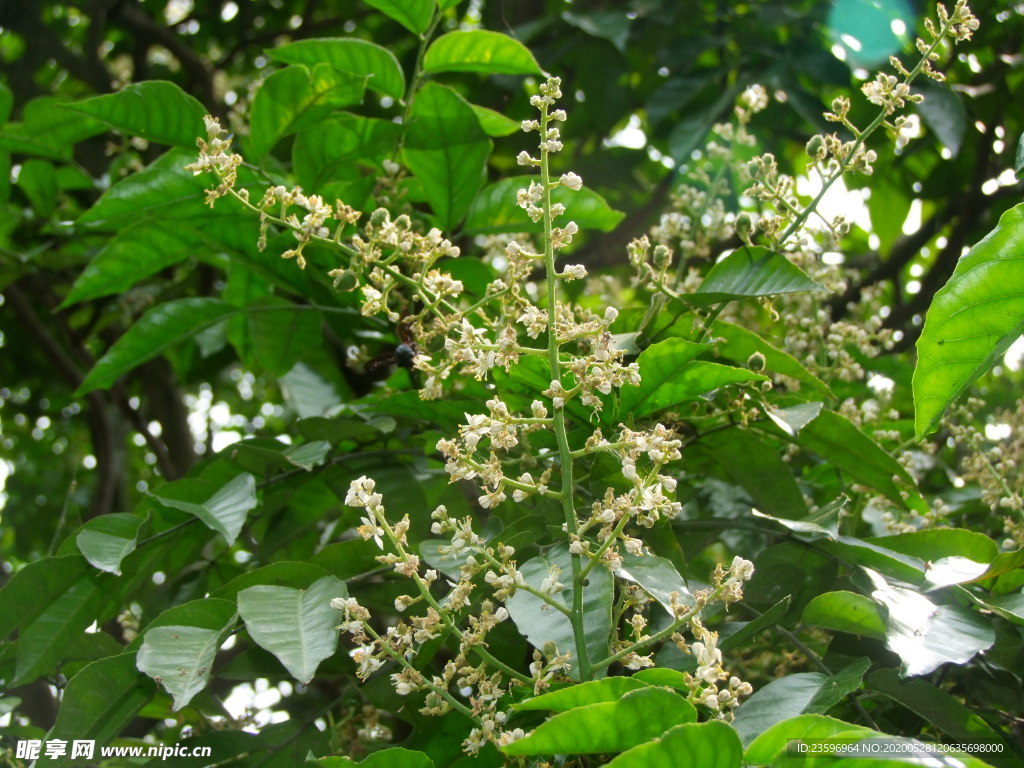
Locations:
220 455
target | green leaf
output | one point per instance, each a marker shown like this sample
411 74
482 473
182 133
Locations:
298 626
280 338
794 418
158 330
348 54
47 130
846 612
706 745
939 543
100 700
888 207
307 392
6 102
940 708
164 191
749 629
479 50
156 110
1010 607
446 150
786 697
334 148
583 694
972 320
613 726
943 113
42 643
542 624
925 634
836 440
773 741
1018 164
38 180
747 462
658 578
738 344
34 588
494 210
613 26
669 375
296 97
130 256
107 540
223 509
308 455
414 15
180 656
285 573
748 272
494 123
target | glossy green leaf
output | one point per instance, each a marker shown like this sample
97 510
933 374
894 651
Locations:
757 468
773 741
658 578
786 697
296 97
35 587
337 147
738 343
748 272
130 256
846 612
223 509
107 540
749 629
836 440
159 329
180 656
164 191
494 210
479 50
281 337
1010 606
972 320
794 418
940 708
943 113
613 25
706 745
494 123
308 455
349 55
47 130
156 110
938 543
447 150
541 624
6 102
38 180
888 206
100 700
414 15
925 634
613 726
285 573
583 694
1018 164
42 643
298 626
394 757
669 375
308 392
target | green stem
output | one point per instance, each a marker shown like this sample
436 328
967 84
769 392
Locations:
561 436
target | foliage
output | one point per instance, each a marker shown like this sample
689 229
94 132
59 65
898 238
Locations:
665 500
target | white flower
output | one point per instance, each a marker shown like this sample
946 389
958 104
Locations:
571 180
